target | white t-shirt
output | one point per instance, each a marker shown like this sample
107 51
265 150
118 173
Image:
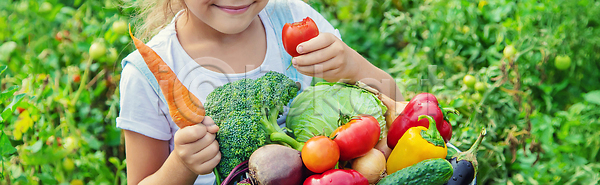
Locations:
143 112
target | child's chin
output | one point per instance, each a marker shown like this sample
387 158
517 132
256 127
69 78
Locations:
233 28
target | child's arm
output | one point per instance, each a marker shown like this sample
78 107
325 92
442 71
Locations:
149 162
327 57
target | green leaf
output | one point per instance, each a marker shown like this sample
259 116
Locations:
35 147
2 69
6 147
92 142
562 85
8 92
113 136
5 115
8 109
546 88
593 97
115 161
14 102
6 49
47 178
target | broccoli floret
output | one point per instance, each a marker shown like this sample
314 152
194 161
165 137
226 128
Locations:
246 112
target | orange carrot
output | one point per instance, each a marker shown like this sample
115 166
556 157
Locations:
184 107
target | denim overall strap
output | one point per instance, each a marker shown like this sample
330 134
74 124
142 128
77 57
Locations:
279 14
136 59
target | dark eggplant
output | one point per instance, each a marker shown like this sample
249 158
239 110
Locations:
465 164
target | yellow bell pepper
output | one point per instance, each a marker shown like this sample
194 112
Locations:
417 144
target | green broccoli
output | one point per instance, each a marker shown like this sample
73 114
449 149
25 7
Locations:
246 112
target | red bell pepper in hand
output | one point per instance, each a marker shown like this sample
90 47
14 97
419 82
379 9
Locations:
337 177
422 104
357 137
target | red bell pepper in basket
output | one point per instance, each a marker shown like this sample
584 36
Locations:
422 104
337 177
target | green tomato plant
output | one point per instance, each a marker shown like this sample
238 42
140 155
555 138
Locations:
562 62
59 91
469 81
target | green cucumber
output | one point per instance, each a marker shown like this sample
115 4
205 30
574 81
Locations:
430 171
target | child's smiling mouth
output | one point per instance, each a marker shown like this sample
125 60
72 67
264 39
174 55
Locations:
235 9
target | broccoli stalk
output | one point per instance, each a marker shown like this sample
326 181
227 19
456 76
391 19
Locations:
276 133
269 121
285 139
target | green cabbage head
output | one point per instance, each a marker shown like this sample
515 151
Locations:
318 108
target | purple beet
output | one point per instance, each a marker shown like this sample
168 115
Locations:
276 164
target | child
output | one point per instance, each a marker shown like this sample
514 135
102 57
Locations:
207 44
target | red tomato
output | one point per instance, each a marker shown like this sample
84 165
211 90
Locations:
357 137
298 32
76 78
59 141
62 35
320 154
20 109
337 176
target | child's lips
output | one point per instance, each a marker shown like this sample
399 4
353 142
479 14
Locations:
234 9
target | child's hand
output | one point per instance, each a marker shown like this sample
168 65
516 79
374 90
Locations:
327 57
197 148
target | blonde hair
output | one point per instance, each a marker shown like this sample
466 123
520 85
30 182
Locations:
153 15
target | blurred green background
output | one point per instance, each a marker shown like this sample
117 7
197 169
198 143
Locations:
535 65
